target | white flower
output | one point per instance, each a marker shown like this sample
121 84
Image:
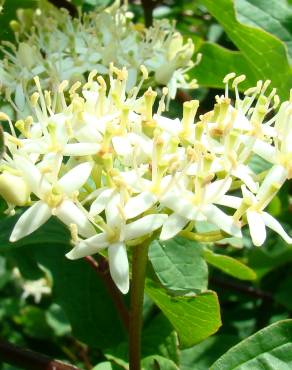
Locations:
55 199
115 239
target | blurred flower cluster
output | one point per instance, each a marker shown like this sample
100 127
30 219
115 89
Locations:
53 45
112 170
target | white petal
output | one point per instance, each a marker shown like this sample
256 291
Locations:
275 225
69 214
88 246
32 175
143 226
220 219
119 266
217 189
112 211
139 204
80 149
257 227
122 145
31 220
75 178
243 173
265 150
101 201
172 226
276 175
229 201
180 205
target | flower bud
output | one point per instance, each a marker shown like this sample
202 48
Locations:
14 189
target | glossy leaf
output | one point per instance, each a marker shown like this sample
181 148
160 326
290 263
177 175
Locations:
179 264
229 265
217 62
265 53
270 348
275 18
194 317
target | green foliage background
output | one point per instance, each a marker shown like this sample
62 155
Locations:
201 300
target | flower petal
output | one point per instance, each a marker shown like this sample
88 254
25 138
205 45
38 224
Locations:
220 219
112 211
257 227
80 149
243 173
31 220
89 246
217 189
275 225
276 175
229 201
69 214
75 178
32 175
139 204
180 205
119 266
265 150
172 226
144 226
101 201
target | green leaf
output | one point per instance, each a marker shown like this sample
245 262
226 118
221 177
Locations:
179 265
159 338
52 232
194 317
103 366
202 355
158 363
264 52
275 18
57 320
217 62
229 265
9 13
270 348
34 323
82 295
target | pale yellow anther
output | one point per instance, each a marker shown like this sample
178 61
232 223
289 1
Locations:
4 117
165 90
34 99
63 85
102 83
48 99
149 97
265 86
238 80
91 75
75 87
259 86
276 101
251 91
144 71
229 77
37 82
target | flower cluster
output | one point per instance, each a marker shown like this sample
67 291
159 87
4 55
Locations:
57 47
114 172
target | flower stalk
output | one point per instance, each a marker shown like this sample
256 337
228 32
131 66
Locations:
139 263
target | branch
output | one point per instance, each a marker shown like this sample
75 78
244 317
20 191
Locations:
27 359
148 7
102 269
248 290
66 5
